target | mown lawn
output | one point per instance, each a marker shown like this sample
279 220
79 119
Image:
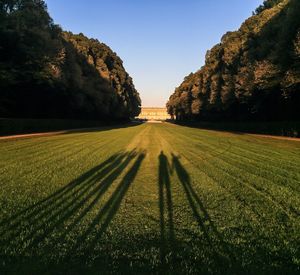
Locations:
152 198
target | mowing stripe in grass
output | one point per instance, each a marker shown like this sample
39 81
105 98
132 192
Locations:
53 203
109 210
263 191
257 168
84 196
258 153
243 141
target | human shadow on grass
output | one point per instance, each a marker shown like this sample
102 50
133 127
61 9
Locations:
34 226
92 235
35 208
167 233
212 236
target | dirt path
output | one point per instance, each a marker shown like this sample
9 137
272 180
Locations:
46 134
273 137
253 135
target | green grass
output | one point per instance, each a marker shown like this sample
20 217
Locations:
154 198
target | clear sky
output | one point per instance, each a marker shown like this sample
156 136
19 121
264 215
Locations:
159 41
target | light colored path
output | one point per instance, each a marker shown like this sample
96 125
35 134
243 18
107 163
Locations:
275 137
54 133
253 135
34 135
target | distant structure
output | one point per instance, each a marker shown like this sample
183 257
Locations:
153 113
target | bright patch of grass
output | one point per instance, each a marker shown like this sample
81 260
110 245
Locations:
155 198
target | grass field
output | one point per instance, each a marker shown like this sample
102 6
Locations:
152 198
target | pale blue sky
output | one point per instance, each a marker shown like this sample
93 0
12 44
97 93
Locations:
159 41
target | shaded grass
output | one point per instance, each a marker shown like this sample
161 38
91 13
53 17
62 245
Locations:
14 126
156 198
22 126
278 128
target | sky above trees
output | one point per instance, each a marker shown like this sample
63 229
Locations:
160 42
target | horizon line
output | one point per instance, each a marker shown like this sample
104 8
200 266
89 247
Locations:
153 107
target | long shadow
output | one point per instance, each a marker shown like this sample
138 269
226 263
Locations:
56 203
39 221
167 234
75 206
206 224
93 233
35 208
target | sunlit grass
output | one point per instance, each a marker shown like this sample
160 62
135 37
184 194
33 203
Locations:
154 198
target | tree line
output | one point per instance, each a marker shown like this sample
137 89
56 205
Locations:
252 74
46 72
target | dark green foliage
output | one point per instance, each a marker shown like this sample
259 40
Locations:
253 74
45 72
267 4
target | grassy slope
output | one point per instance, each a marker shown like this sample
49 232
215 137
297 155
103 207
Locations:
155 198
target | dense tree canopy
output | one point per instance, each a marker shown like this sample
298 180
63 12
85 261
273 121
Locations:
254 73
45 72
267 4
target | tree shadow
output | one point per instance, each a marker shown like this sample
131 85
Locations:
43 224
10 127
167 233
212 236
